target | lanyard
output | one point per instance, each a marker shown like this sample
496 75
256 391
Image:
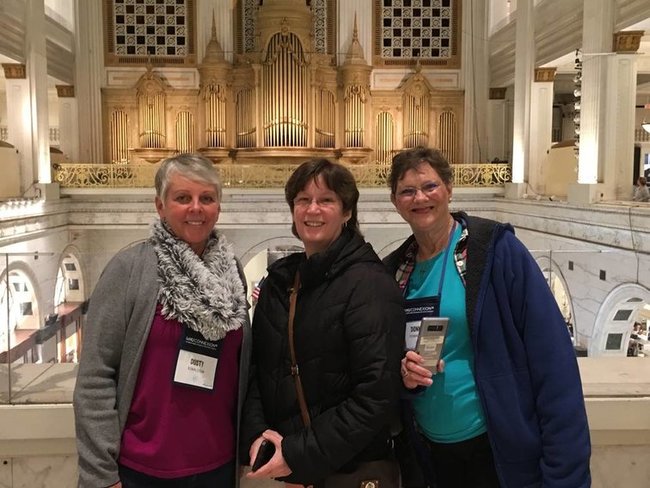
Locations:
444 265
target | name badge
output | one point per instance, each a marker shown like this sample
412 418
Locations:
196 364
416 309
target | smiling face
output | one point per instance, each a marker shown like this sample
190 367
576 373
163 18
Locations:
191 209
422 199
318 216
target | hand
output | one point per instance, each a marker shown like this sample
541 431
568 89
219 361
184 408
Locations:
277 467
116 485
413 374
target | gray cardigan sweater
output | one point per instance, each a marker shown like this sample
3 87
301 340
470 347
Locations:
119 318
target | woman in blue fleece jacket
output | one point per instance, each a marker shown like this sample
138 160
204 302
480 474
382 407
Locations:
507 410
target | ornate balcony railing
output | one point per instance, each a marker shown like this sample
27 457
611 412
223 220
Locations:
84 175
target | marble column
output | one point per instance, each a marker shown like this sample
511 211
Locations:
618 137
475 80
497 119
524 66
36 57
19 129
68 127
89 75
541 128
597 31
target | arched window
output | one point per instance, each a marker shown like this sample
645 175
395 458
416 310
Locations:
18 311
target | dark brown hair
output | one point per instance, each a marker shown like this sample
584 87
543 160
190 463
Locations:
412 158
337 178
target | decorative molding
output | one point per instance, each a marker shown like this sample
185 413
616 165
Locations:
544 74
65 91
15 71
627 41
498 93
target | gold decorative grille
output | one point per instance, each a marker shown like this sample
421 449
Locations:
260 175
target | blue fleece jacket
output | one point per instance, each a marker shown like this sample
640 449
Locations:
525 366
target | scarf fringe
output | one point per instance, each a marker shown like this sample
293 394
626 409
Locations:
205 293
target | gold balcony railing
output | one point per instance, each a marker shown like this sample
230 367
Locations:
258 175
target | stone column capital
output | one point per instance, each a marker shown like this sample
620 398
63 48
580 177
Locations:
14 71
498 93
65 91
627 41
544 74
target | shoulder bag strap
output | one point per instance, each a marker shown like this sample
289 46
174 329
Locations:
294 367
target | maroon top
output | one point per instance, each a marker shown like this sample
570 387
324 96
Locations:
172 430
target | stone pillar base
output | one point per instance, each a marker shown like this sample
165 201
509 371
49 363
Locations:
584 193
49 191
515 191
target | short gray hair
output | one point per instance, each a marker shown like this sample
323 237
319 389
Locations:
194 167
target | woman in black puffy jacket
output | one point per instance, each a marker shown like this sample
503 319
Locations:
348 337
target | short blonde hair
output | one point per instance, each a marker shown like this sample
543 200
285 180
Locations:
194 167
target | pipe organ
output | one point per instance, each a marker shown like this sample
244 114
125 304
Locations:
185 131
151 116
281 99
285 92
119 137
447 127
245 119
384 137
214 100
325 119
355 102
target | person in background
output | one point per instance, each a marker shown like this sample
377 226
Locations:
641 191
165 351
348 334
507 409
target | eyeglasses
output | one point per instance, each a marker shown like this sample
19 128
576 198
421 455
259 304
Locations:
323 202
410 192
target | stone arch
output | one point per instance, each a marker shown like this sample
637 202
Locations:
70 280
613 324
19 303
555 278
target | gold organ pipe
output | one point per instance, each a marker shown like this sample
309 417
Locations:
114 137
124 139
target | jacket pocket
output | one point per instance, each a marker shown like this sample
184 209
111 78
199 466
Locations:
513 426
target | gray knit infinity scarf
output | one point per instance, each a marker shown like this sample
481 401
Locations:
203 292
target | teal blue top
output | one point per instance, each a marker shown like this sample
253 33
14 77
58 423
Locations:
450 409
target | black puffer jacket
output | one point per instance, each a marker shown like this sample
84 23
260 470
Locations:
349 336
